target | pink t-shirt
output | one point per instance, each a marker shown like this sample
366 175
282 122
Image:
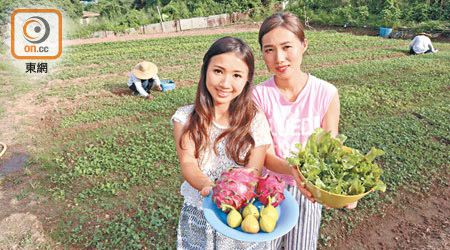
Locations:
293 122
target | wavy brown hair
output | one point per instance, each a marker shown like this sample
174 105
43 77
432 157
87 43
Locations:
241 111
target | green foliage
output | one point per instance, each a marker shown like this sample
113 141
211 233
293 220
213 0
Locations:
360 14
133 19
429 27
342 15
389 13
111 10
117 23
205 8
324 163
420 12
146 4
176 9
117 16
66 7
424 11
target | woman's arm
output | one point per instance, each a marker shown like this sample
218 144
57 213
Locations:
256 160
189 165
331 119
275 163
281 166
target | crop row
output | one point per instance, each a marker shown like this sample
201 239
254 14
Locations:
381 82
162 48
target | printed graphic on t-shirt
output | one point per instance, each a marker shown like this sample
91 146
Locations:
295 130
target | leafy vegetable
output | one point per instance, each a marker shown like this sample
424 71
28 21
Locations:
326 164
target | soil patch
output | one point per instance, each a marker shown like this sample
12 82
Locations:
20 228
235 28
17 122
22 231
423 223
122 91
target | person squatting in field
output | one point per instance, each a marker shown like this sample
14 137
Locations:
222 129
295 103
143 76
421 44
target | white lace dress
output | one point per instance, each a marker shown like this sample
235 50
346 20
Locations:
194 232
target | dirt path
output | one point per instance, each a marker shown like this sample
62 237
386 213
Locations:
218 30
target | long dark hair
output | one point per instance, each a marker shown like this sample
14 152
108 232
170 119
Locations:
286 20
241 110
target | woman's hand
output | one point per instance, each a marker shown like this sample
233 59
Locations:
301 184
205 189
352 205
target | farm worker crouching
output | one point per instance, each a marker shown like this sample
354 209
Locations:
421 44
142 78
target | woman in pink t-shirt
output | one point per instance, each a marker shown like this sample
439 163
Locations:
295 103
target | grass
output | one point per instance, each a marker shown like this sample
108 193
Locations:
110 161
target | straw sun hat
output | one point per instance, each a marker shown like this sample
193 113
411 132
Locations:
145 70
423 34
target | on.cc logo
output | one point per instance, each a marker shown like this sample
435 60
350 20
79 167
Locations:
36 30
36 34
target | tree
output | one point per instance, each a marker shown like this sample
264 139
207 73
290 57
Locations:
66 7
111 10
141 4
176 10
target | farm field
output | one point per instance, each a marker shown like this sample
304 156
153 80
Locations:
103 171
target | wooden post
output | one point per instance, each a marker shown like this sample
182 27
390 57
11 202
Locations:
160 18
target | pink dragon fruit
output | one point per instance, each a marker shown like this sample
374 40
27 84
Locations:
270 185
235 187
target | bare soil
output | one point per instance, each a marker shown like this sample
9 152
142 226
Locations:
218 30
422 223
20 227
418 223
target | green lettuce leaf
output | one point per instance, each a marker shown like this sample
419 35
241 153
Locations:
325 164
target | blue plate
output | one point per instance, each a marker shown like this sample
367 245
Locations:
288 217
